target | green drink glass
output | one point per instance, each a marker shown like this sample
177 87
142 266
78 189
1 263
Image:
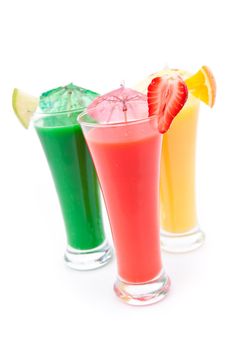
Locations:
77 187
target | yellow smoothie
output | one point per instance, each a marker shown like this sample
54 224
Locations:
179 224
177 180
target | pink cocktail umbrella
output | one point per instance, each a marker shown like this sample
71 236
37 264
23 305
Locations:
120 105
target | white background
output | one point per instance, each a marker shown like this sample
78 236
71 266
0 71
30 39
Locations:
96 44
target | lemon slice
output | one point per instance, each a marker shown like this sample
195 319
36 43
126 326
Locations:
24 106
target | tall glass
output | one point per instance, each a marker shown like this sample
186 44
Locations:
127 157
77 188
180 229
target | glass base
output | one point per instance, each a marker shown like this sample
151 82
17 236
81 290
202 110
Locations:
143 293
88 259
182 242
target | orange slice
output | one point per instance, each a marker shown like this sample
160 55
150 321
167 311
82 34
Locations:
203 86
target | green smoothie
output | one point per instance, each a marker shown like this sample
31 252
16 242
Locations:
75 179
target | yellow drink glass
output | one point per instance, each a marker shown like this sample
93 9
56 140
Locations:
180 231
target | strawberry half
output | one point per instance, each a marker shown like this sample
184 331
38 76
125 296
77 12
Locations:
166 96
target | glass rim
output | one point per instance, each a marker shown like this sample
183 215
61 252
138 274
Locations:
43 114
116 124
38 116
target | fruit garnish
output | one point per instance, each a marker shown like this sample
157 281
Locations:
24 106
203 86
166 96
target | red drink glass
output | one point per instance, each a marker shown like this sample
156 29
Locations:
127 159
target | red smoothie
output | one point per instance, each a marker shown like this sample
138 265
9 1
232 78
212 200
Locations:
127 158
